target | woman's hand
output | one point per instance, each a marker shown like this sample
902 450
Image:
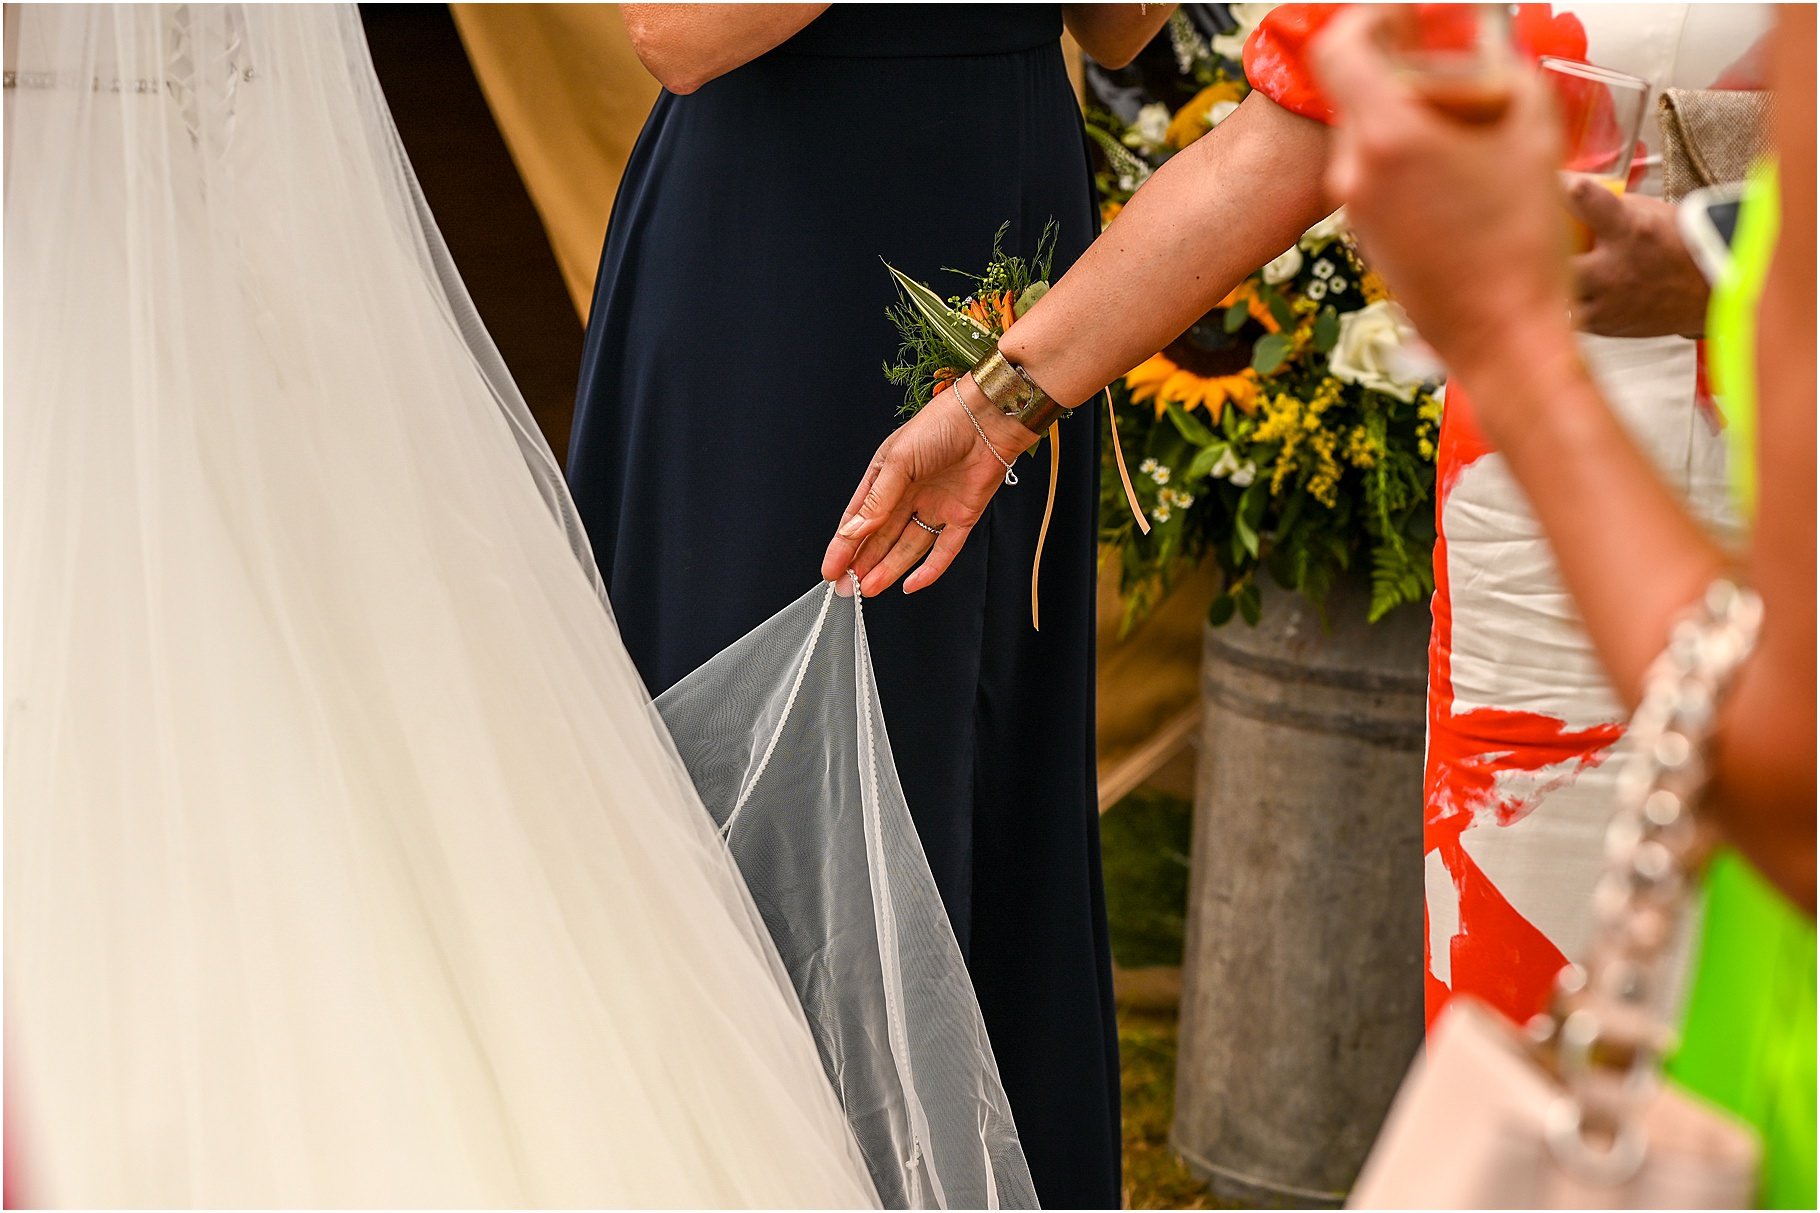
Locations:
937 468
1465 221
1638 279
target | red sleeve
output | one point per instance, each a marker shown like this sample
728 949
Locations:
1276 54
1276 57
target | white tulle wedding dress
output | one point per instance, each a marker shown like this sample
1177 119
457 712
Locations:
347 861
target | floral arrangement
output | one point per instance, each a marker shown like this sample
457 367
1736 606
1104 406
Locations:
941 338
1291 431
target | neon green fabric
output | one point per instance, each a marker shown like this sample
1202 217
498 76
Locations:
1748 1038
1732 330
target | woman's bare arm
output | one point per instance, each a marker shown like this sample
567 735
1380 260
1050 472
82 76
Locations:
1114 33
1233 200
687 45
1430 196
1766 769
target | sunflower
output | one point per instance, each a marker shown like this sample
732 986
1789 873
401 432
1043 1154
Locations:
1247 291
1180 375
1195 119
1207 367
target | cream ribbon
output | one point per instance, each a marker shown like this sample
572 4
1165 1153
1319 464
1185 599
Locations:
1055 476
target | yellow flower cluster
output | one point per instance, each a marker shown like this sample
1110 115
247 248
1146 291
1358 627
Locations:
1307 445
1429 410
1325 483
1363 449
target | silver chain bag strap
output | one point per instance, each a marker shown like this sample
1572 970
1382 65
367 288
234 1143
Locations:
1572 1111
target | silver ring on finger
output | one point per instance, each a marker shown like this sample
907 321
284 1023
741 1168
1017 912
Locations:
933 530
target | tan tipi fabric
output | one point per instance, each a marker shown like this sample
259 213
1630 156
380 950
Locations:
569 96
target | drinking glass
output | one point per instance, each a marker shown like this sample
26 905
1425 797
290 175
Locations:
1600 112
1459 58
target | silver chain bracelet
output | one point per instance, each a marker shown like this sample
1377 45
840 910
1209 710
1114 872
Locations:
1010 474
1607 1030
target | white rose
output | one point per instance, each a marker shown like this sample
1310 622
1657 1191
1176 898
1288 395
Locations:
1232 46
1245 475
1249 15
1284 267
1219 111
1327 229
1370 351
1151 126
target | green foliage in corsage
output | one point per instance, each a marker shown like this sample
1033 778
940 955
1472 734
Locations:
942 338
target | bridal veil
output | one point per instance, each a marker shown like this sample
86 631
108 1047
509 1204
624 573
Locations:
347 860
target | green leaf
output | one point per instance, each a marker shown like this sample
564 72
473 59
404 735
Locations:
1027 300
1254 502
1235 317
1398 577
1281 567
1341 549
1292 510
1119 158
1220 613
1137 608
1326 329
966 339
1279 307
1251 604
1203 462
1189 428
1271 351
1247 536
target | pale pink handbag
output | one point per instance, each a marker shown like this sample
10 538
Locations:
1571 1111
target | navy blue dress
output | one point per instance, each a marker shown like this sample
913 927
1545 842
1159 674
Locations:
731 396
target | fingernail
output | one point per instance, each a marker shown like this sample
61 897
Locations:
850 528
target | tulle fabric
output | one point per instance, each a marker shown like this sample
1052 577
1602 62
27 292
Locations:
347 861
784 736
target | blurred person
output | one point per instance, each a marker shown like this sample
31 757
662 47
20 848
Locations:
1520 713
1426 192
731 380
